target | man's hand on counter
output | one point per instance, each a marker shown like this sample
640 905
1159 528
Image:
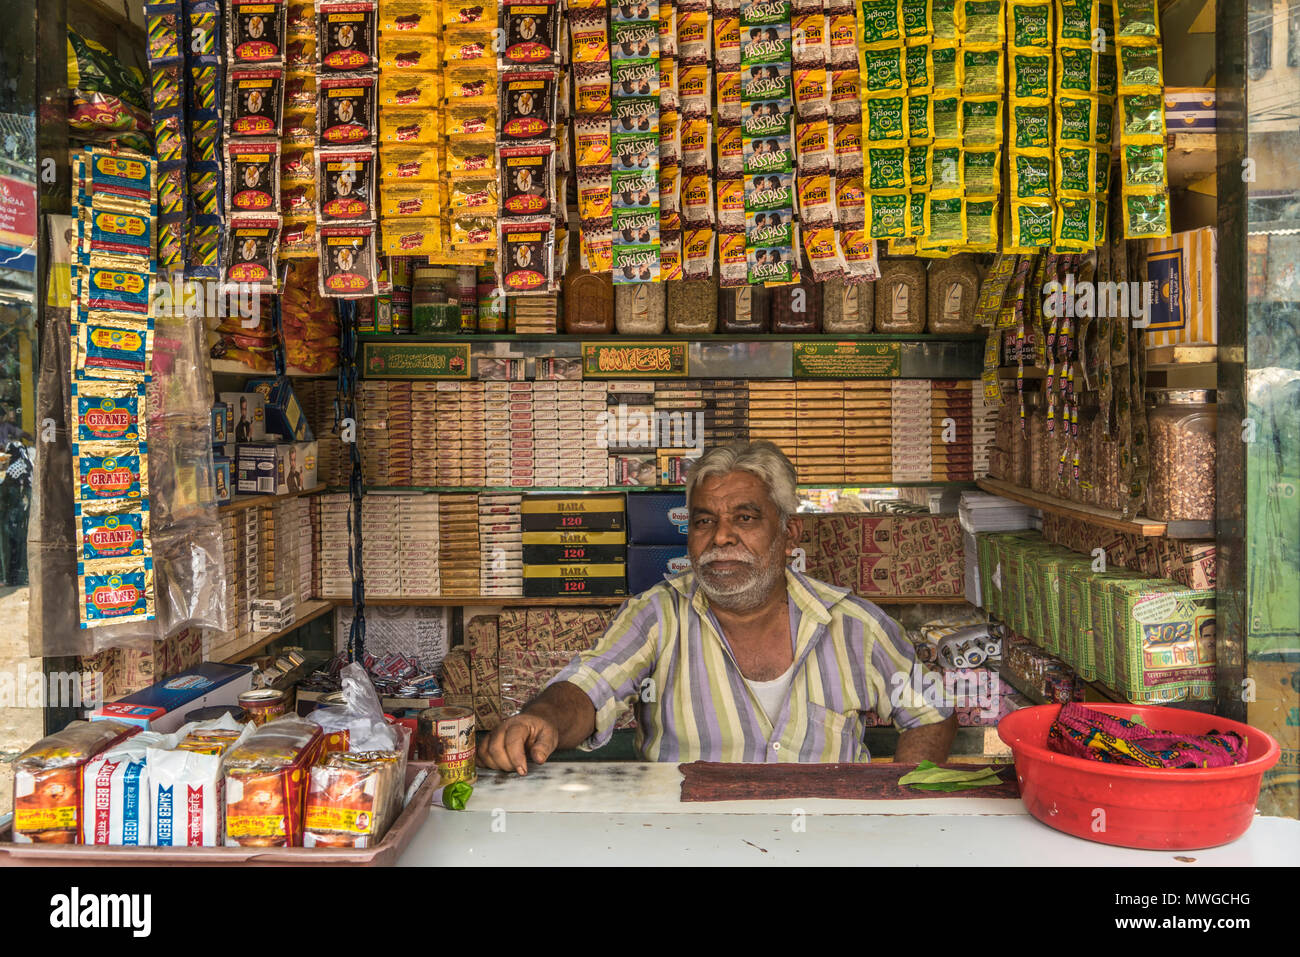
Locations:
931 742
562 716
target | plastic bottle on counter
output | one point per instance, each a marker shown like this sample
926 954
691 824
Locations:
900 296
588 302
848 307
743 309
692 306
639 309
797 308
951 295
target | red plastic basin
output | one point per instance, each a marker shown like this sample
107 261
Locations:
1138 807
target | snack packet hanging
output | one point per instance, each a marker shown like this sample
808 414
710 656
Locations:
1146 216
348 265
1031 124
112 531
886 166
527 255
530 32
346 110
255 102
527 179
945 67
250 251
887 214
1032 224
115 293
114 592
255 32
108 412
253 176
527 104
981 222
347 36
346 185
106 473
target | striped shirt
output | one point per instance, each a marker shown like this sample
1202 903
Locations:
666 654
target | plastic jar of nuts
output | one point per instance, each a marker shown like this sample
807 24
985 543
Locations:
1183 425
900 296
639 308
692 306
848 307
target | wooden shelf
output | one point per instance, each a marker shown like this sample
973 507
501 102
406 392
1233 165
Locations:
606 489
1166 357
307 613
712 337
460 601
1096 516
241 502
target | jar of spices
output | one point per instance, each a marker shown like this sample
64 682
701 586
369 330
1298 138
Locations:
743 309
797 308
639 309
588 302
692 306
848 307
900 296
432 311
1183 424
951 294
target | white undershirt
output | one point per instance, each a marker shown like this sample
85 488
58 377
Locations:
772 694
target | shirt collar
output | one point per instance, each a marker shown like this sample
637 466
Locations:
813 598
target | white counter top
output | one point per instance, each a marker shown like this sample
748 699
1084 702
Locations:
603 814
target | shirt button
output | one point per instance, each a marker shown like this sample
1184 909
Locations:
777 746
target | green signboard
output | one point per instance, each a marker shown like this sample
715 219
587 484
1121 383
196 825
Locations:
633 360
415 360
847 360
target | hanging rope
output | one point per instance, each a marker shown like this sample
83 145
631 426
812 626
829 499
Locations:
345 407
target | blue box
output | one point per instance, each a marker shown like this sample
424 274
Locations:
657 518
648 565
202 686
223 423
284 416
221 475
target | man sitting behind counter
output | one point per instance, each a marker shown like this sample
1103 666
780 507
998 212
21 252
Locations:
741 658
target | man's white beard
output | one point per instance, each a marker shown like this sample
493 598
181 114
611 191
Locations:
752 588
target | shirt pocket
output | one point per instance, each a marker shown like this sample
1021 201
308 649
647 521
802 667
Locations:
844 732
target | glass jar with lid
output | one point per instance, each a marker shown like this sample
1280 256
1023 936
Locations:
743 309
797 308
1182 424
952 290
588 302
433 312
900 296
692 306
848 307
639 309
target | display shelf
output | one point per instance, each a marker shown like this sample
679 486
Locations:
1104 518
606 489
230 367
241 502
668 337
1021 687
460 601
308 612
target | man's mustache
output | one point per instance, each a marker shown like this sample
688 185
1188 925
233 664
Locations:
728 555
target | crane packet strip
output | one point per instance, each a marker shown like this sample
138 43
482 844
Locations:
112 592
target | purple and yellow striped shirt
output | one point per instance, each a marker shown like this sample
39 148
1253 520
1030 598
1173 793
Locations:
665 654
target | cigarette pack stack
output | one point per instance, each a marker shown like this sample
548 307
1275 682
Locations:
473 445
250 579
375 458
951 431
448 467
726 411
558 433
424 433
284 537
911 436
772 415
333 578
381 559
316 396
555 530
680 410
459 544
533 314
631 433
868 430
595 444
419 544
501 545
399 434
984 420
221 644
508 433
819 425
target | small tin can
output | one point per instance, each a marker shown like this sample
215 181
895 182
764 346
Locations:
445 736
264 704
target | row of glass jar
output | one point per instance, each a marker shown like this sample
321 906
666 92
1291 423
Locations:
1182 427
909 298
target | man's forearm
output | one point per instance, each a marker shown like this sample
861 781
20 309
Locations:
568 709
929 743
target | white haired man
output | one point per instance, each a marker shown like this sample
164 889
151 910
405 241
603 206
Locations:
748 660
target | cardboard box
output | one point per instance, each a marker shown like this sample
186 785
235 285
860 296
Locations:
284 414
205 685
1185 307
248 415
